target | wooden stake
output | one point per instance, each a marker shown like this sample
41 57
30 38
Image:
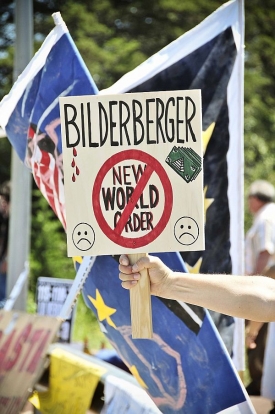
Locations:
140 303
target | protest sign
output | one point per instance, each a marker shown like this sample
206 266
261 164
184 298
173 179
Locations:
133 179
133 173
51 294
24 340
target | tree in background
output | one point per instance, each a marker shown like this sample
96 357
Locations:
259 97
48 247
115 36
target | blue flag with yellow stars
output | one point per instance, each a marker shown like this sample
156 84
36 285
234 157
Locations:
185 367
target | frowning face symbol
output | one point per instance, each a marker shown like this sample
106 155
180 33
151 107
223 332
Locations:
186 230
83 236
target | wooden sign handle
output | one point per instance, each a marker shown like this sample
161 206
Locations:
140 303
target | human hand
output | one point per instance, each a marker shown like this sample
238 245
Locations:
161 277
251 332
250 338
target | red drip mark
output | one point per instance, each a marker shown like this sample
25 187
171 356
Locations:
73 164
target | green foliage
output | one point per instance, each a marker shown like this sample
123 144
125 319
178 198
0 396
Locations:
31 304
48 244
6 40
5 157
114 37
49 258
86 327
259 95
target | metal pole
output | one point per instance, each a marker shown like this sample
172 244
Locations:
20 208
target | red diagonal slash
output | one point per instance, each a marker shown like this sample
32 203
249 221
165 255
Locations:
152 165
134 199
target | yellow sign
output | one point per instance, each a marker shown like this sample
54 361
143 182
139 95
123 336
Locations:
72 384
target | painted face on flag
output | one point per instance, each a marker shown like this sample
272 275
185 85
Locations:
45 160
33 126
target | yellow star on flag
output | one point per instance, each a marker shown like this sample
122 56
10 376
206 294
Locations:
103 311
135 373
207 202
206 135
77 259
195 268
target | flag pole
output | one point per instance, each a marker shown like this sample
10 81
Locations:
20 206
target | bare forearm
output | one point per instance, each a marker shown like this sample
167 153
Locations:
240 296
248 297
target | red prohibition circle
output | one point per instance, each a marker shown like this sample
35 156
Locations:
152 165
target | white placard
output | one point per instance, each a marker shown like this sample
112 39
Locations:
133 171
51 294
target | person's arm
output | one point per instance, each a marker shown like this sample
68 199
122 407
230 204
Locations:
248 297
261 262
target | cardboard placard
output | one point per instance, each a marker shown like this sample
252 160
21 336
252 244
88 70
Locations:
133 179
24 340
133 173
51 294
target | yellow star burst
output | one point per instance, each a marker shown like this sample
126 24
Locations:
103 311
207 202
195 268
77 259
135 373
206 135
